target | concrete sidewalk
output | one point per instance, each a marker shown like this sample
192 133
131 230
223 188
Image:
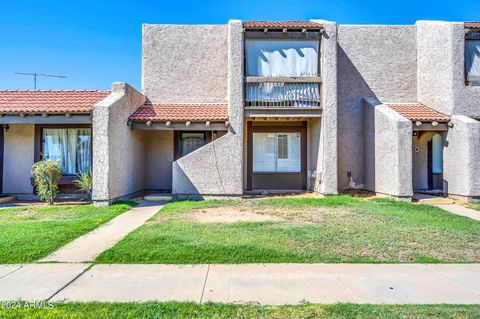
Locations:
461 210
264 284
87 247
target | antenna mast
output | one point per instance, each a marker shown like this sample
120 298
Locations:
40 74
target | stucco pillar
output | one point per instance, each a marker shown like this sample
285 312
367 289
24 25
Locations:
393 153
117 150
387 143
327 171
461 165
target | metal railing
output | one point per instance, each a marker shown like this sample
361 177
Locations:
282 92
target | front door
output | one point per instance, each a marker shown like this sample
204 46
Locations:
435 163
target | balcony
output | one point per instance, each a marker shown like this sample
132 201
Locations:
285 95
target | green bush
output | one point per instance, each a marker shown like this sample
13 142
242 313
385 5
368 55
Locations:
45 177
84 182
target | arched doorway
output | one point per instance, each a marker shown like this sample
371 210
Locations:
435 163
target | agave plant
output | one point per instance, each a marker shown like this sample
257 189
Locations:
84 183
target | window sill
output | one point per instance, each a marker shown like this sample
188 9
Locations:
277 173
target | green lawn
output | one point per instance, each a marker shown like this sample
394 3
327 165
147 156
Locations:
210 311
30 233
303 230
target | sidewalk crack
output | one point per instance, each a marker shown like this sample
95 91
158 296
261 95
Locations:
205 283
11 272
441 273
346 288
70 282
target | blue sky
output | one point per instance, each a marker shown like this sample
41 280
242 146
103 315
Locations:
98 42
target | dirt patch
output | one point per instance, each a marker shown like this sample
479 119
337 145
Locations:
309 215
227 215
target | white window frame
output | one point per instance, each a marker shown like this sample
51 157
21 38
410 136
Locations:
269 161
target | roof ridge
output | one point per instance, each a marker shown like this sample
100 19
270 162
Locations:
56 90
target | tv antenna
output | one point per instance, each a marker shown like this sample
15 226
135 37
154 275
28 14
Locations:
40 74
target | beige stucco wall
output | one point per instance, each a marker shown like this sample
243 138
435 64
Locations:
158 159
327 156
18 159
217 168
461 165
184 63
376 62
388 151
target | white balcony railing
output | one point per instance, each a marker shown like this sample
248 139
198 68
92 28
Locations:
282 92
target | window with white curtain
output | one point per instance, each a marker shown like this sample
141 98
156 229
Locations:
72 147
472 61
276 152
282 58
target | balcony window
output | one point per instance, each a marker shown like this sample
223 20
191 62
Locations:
472 61
276 152
71 147
282 59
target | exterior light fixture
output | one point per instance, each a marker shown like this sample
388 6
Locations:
149 123
418 123
434 124
450 124
6 127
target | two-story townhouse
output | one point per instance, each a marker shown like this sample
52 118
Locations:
253 107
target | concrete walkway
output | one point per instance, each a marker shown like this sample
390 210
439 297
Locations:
461 210
264 284
88 247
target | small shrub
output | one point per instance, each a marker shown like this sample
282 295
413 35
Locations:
45 177
84 182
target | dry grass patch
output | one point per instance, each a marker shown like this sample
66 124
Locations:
228 215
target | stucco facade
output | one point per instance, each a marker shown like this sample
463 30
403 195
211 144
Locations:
185 63
374 62
18 159
217 168
354 138
388 149
118 152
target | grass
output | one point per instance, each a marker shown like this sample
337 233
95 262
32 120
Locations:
310 230
30 233
211 310
475 205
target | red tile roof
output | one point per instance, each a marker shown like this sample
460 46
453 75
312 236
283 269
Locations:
281 25
472 25
418 112
181 112
49 101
